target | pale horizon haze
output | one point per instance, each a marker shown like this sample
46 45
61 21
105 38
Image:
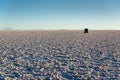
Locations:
59 14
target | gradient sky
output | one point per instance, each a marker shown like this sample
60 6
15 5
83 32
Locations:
59 14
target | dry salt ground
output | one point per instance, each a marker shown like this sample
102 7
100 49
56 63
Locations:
59 55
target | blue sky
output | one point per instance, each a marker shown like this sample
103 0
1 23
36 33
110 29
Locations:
59 14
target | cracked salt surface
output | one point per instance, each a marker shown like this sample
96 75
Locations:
59 55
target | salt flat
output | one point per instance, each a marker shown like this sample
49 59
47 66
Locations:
60 55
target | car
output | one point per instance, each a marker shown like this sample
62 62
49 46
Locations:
86 30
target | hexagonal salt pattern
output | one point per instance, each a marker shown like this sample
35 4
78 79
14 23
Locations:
59 55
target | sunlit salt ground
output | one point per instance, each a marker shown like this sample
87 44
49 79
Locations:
59 55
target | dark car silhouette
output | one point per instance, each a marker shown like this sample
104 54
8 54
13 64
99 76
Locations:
86 30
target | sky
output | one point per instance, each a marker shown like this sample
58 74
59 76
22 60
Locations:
59 14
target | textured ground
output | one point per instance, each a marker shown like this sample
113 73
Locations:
59 55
